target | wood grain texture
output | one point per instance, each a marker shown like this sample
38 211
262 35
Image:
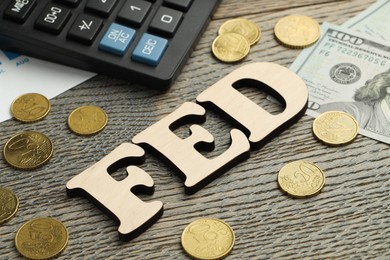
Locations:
350 218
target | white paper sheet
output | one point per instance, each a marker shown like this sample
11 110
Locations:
21 74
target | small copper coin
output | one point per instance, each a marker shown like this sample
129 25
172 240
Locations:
27 151
301 179
9 204
297 31
30 107
230 47
335 128
87 120
41 238
208 238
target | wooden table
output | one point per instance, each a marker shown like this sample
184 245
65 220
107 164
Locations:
350 218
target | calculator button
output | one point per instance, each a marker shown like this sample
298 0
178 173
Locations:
72 3
166 21
150 49
117 39
100 7
53 18
182 5
85 28
134 12
19 11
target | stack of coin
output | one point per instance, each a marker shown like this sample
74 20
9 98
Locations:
9 204
297 31
208 238
30 107
28 150
41 238
87 120
234 39
335 128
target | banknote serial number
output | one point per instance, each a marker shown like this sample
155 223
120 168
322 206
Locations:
354 53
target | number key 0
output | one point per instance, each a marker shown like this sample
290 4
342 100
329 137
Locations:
166 21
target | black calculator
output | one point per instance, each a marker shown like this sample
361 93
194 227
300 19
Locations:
142 41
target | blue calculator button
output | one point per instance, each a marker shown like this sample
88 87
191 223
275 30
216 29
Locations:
150 49
117 39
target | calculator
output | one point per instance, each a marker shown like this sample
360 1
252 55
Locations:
146 42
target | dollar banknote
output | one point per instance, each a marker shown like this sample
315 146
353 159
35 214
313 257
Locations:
373 21
350 72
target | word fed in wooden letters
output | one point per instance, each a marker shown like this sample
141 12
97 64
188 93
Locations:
181 153
255 126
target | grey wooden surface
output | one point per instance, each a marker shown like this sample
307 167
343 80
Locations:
349 219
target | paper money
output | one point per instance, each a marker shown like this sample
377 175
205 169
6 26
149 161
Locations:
373 21
349 72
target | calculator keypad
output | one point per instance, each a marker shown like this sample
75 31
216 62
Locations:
138 31
117 38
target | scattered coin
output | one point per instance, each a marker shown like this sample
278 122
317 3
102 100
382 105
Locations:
208 238
335 128
230 47
297 31
242 26
41 238
9 204
301 179
28 150
87 120
30 107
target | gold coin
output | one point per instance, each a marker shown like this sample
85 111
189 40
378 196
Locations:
230 47
87 120
297 31
335 128
208 238
30 107
41 238
27 151
242 26
301 179
9 204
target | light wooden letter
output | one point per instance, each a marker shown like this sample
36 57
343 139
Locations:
114 197
260 125
181 153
